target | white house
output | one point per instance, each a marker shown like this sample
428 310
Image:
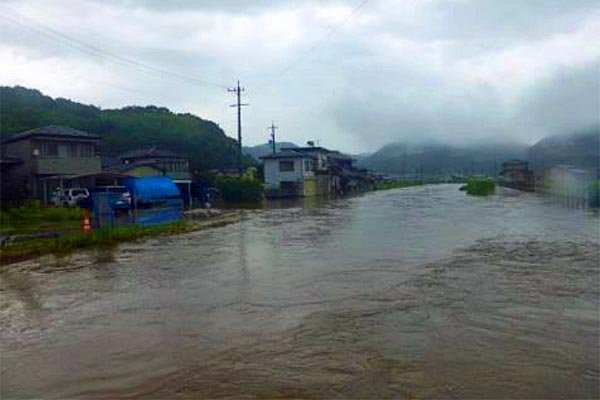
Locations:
288 173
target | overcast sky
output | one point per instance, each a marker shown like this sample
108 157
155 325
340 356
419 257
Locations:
404 70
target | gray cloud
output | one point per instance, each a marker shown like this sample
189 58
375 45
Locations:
567 101
440 70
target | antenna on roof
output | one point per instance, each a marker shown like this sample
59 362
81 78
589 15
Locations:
310 143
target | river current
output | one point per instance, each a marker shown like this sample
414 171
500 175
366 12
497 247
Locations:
413 293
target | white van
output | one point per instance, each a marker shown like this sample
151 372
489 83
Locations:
69 197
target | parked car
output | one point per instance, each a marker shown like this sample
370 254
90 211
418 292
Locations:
120 198
69 197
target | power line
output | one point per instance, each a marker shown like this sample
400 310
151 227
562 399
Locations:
77 44
322 39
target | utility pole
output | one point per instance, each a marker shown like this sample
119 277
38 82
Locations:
238 91
272 141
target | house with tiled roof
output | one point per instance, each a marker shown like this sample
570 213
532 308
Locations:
47 157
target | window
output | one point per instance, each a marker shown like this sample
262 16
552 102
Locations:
308 165
286 166
50 149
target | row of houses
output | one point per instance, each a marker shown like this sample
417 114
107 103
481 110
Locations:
312 171
36 162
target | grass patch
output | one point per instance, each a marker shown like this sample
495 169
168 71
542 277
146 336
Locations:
480 186
31 217
69 242
77 240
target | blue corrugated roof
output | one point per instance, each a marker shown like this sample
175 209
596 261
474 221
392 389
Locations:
152 188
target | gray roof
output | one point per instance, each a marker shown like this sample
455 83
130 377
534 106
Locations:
150 152
286 154
53 131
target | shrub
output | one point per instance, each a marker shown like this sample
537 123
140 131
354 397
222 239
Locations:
245 189
30 216
62 214
480 186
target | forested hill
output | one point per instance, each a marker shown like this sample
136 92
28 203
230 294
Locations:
204 142
442 159
579 149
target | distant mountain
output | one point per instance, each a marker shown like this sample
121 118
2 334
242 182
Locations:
264 149
580 149
128 128
441 159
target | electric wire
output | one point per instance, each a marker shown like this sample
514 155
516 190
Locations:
82 46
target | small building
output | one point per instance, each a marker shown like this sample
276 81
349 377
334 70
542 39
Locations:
516 174
311 171
288 173
155 200
47 156
154 161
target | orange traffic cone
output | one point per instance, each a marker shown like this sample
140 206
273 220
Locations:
87 226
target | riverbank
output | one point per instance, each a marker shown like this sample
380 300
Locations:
61 244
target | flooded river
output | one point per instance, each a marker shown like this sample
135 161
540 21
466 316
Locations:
411 293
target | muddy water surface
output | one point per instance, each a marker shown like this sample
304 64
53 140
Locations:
412 293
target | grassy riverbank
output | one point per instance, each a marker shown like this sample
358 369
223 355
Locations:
31 218
69 242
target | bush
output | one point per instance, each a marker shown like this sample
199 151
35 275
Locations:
245 189
480 186
29 213
30 216
62 214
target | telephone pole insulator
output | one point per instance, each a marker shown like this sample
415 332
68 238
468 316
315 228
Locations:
238 92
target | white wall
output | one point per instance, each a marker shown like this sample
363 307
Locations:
273 176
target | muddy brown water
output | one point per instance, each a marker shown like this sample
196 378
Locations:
411 293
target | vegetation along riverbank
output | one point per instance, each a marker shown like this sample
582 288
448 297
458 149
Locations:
58 243
480 186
